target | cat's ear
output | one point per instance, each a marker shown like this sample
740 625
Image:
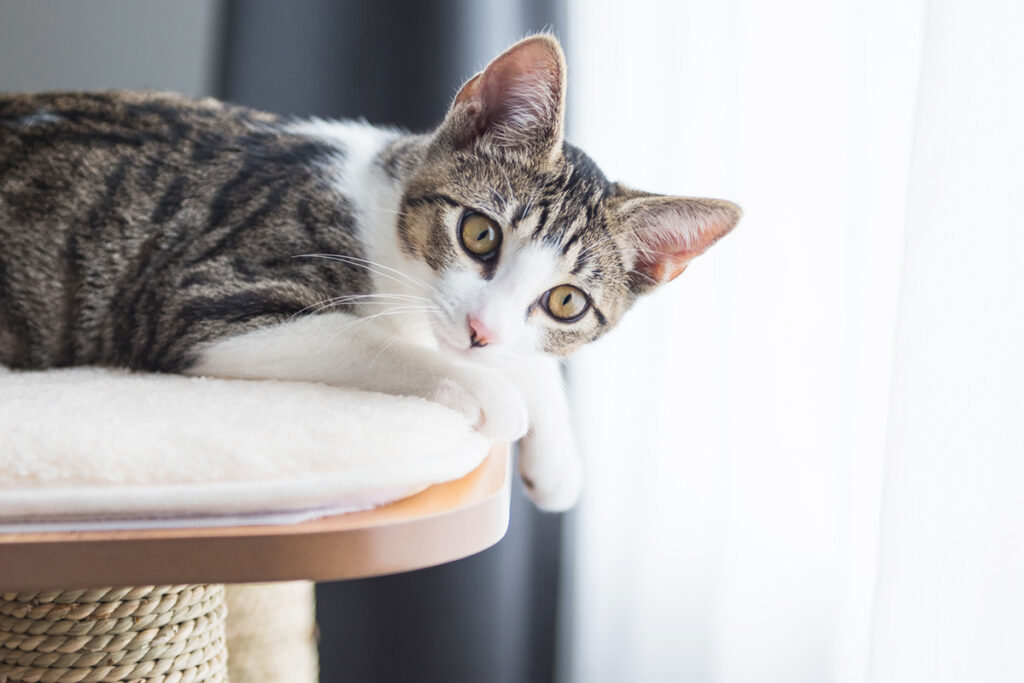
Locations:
669 232
517 102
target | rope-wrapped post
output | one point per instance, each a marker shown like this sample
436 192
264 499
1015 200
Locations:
157 634
272 633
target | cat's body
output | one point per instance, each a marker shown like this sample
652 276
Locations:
132 223
155 232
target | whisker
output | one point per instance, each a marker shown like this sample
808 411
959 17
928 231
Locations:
370 266
511 199
360 299
511 192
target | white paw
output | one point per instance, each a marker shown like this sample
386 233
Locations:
551 469
491 403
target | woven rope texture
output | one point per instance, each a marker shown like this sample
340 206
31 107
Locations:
272 633
152 634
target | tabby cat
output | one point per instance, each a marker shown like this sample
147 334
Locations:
151 231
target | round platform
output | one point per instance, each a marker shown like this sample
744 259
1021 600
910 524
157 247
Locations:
442 523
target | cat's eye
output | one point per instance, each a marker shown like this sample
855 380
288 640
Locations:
480 235
566 303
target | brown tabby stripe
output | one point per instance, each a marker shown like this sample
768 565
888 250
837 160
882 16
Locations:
136 226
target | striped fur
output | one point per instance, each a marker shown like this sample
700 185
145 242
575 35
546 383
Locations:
136 226
151 231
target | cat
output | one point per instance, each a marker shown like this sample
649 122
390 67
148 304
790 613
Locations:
155 232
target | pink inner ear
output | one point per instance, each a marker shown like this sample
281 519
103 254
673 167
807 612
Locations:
518 91
666 267
673 231
522 87
663 260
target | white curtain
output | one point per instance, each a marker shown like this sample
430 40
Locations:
860 333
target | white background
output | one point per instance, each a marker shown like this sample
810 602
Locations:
738 428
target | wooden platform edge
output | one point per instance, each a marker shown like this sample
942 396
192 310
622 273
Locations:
443 523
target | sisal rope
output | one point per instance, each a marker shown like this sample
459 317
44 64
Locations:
151 634
271 632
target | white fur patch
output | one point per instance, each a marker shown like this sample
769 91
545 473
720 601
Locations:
502 304
401 282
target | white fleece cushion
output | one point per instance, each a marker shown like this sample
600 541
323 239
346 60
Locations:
88 443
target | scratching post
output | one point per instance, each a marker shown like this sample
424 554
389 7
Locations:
271 631
157 634
160 634
175 627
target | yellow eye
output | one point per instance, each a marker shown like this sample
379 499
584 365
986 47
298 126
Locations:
480 235
566 303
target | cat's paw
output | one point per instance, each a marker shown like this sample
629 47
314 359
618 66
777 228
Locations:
551 470
491 403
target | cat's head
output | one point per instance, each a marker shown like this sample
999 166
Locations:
532 249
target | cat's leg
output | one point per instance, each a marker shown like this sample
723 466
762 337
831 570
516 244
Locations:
549 463
345 350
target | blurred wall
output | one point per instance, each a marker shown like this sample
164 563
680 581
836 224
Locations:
104 44
390 61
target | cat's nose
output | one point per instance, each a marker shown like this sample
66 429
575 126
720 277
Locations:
479 334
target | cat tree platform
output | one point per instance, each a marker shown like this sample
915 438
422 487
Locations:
139 543
443 523
174 622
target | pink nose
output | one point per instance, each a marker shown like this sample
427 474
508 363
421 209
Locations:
479 335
